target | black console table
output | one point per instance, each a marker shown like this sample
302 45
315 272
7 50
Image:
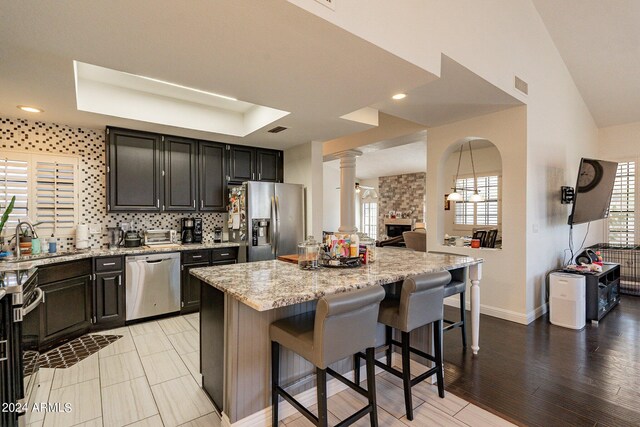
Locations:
603 291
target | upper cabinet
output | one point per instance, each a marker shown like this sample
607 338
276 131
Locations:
212 190
180 174
254 164
147 172
134 171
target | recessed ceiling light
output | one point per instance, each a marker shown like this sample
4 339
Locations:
398 96
30 109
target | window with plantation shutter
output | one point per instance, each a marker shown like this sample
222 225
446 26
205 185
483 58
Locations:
55 194
479 213
621 222
14 181
46 190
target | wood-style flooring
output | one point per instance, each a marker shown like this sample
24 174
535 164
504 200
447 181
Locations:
545 375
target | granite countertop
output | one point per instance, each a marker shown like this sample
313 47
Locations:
27 263
266 285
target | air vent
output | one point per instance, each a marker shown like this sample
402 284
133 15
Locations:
521 85
277 129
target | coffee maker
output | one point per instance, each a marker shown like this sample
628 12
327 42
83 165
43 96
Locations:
197 230
188 230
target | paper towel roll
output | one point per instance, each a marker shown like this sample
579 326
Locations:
82 236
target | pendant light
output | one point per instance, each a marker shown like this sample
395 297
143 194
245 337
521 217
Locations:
455 196
475 197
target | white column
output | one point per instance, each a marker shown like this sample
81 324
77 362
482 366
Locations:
475 274
347 190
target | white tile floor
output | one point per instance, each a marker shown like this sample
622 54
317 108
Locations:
150 378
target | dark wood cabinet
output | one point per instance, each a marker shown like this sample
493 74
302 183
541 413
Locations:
254 164
242 163
66 311
109 299
180 174
190 289
268 165
134 171
212 183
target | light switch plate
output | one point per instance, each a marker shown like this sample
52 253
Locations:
94 229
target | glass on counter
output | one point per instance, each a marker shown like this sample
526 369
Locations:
309 254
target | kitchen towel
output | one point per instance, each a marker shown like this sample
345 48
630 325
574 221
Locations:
82 236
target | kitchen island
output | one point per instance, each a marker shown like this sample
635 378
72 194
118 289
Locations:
239 302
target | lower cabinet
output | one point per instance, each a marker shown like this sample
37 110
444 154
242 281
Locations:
190 289
109 299
66 311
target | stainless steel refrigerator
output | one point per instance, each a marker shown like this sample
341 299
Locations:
267 219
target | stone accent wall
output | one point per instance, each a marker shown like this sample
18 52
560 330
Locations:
404 193
89 145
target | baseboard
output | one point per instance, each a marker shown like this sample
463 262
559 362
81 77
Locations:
306 398
501 313
540 311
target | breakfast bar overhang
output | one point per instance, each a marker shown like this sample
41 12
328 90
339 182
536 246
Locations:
239 302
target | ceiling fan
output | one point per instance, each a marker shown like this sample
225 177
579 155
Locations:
369 191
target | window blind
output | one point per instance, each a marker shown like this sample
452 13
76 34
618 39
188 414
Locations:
55 195
480 213
621 221
14 181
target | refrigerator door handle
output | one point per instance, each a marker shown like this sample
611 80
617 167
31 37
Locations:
277 225
273 225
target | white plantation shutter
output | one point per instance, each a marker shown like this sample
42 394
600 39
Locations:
464 208
14 181
55 187
480 213
622 208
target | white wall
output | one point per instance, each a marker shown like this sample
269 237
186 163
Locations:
303 165
498 39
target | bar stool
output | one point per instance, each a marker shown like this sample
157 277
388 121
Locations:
342 325
420 303
456 286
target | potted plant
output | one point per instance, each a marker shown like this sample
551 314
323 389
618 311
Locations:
5 217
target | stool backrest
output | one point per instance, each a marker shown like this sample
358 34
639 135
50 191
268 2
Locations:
345 323
422 299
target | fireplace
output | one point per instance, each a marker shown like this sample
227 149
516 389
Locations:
396 226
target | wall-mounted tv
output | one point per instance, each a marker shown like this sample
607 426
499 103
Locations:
593 190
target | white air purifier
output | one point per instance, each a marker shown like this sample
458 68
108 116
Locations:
567 300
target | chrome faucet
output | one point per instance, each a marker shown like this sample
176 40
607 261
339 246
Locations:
20 224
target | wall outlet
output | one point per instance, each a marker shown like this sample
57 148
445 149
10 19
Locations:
95 229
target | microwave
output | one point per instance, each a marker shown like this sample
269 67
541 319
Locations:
160 237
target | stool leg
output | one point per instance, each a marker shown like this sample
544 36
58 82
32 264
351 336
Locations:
356 368
437 344
388 338
371 386
463 318
275 379
406 375
321 386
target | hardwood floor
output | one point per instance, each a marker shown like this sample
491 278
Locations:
545 375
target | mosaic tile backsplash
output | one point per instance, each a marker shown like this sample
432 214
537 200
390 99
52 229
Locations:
89 145
403 193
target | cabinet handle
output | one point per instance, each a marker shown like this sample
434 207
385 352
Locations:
109 263
259 176
224 254
253 175
119 280
196 256
158 203
194 203
201 204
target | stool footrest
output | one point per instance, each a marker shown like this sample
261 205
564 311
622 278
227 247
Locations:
355 387
304 411
355 417
412 350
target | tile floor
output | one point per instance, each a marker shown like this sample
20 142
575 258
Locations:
150 378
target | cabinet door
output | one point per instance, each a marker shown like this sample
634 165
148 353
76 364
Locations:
268 165
190 289
66 311
134 170
109 299
213 183
180 162
241 163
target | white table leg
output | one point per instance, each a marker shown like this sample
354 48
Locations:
475 274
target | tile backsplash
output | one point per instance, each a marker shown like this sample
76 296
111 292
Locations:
89 146
403 193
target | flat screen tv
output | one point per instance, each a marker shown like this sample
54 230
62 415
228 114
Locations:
593 190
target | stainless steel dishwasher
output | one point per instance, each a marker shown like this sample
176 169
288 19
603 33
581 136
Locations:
152 285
